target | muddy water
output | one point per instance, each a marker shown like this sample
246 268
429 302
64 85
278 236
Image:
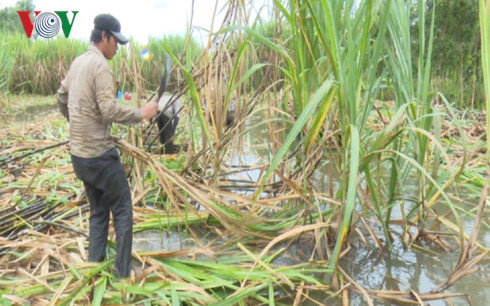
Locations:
404 269
421 270
34 112
371 268
156 241
410 269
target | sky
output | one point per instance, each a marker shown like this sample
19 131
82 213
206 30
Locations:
140 19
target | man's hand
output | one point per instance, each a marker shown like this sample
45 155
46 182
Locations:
149 110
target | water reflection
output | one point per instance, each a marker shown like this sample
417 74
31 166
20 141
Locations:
413 269
158 241
32 113
403 270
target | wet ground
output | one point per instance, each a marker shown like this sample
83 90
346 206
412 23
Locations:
405 269
420 270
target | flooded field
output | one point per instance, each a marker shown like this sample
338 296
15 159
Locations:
329 153
421 268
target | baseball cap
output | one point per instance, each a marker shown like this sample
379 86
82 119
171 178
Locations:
107 22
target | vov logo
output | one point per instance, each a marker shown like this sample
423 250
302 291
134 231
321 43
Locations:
47 24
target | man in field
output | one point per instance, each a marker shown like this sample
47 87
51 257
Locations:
87 99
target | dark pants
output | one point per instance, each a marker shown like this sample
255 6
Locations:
107 191
166 129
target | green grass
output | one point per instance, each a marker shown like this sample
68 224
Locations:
485 33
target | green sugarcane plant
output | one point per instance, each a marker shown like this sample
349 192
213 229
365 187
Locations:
485 34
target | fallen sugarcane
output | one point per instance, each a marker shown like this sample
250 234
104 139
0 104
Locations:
4 160
37 216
